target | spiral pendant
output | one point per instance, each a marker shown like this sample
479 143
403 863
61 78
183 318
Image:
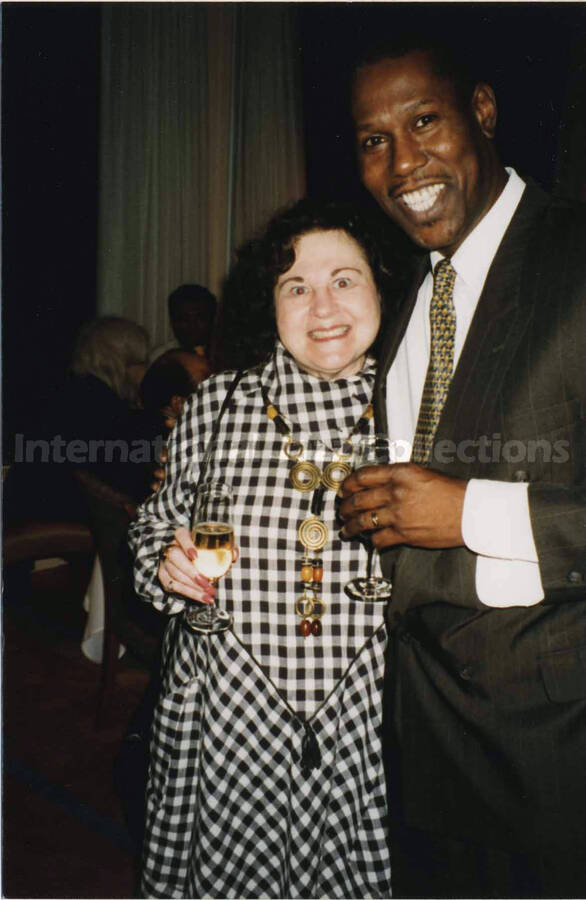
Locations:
313 533
335 473
305 476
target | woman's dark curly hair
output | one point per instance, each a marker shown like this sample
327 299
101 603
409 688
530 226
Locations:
248 319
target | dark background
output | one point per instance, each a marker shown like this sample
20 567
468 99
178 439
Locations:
50 82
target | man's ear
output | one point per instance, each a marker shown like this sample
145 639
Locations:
484 109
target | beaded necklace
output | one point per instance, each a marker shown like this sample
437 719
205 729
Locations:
313 533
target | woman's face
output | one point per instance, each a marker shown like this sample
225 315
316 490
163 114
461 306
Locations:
327 307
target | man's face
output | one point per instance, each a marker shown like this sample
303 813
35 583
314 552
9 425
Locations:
426 160
192 324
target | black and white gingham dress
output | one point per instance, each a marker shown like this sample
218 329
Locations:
233 809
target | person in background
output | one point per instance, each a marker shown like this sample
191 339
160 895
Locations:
192 313
266 774
484 530
169 381
113 351
91 424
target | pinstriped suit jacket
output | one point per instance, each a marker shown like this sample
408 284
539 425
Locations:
486 708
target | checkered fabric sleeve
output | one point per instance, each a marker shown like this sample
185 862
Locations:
171 507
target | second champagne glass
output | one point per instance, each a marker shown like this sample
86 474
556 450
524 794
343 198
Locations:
371 451
213 536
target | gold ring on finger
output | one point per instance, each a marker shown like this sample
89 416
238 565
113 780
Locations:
374 519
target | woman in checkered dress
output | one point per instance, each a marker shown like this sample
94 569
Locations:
266 774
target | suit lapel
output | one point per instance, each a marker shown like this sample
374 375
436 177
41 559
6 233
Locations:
495 330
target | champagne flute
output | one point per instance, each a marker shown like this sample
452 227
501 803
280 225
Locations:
371 451
213 535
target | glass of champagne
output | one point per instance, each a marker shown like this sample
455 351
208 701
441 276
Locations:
213 535
371 451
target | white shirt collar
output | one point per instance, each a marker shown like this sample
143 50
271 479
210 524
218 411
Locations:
474 256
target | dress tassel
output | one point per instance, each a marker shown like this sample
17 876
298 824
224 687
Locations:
310 754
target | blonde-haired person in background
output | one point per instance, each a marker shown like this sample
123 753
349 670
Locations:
116 351
92 423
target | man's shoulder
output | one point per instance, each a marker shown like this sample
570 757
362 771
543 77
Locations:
568 211
563 234
555 256
550 231
554 212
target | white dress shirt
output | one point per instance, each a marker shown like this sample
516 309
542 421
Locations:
495 522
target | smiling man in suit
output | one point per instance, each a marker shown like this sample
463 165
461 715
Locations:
483 527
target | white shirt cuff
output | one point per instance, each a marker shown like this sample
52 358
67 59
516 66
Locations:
496 521
496 525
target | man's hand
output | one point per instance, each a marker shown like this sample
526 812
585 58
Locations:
403 504
159 473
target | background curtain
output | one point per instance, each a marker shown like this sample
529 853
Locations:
201 139
570 180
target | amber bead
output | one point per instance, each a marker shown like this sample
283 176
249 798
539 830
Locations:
318 573
305 627
307 572
316 627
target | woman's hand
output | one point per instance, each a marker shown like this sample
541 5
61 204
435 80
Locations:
178 572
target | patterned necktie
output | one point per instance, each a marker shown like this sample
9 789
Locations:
441 360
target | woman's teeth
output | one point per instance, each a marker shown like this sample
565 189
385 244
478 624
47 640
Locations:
340 331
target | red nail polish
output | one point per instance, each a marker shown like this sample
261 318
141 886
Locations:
192 554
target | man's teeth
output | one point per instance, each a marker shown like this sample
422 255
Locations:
423 199
330 332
